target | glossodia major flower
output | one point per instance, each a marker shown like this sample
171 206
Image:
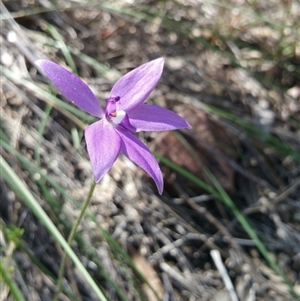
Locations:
125 114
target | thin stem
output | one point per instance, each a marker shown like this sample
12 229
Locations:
70 239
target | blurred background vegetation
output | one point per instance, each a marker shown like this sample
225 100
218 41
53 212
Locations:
227 224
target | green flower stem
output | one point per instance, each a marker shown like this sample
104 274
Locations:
70 239
22 191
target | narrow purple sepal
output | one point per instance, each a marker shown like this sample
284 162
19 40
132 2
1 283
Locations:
137 152
134 87
153 118
71 87
103 145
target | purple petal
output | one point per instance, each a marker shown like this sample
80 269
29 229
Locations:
134 87
136 151
103 145
71 87
153 118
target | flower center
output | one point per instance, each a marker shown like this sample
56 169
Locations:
117 117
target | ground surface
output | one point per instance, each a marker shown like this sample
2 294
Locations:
232 70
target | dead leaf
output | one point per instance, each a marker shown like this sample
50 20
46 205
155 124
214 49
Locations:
210 143
150 275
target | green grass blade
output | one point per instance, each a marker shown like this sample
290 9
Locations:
223 196
14 289
22 191
188 175
60 105
249 229
111 74
41 130
255 132
46 271
114 245
170 24
62 45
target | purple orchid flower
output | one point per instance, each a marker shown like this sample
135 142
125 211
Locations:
124 115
